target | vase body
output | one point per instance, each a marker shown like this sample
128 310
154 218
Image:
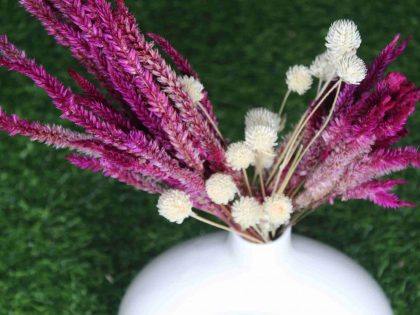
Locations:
222 274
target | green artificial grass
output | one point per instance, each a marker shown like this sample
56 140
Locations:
71 241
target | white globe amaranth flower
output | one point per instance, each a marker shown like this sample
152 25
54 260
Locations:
261 138
174 205
261 116
221 188
278 209
247 212
322 67
298 79
351 69
343 38
193 87
239 156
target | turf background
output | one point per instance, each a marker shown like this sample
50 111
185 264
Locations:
71 241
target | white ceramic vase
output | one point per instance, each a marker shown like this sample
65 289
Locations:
222 274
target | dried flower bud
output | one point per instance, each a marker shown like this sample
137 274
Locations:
239 156
193 87
221 188
261 139
351 69
298 79
262 117
278 209
343 38
174 205
247 212
322 67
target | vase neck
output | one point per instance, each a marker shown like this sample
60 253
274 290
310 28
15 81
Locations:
260 254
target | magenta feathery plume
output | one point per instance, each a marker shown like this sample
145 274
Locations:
184 67
378 192
108 169
182 64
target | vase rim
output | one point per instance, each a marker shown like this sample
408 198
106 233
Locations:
260 254
284 237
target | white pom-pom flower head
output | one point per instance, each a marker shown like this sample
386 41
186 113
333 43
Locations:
261 116
343 38
193 87
247 212
298 79
221 188
239 156
351 69
278 209
174 205
322 67
261 139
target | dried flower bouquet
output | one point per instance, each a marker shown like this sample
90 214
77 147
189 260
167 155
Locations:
153 128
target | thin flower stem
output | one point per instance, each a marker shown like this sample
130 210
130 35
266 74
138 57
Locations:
283 103
210 120
300 216
319 86
226 210
294 193
324 87
295 162
260 175
253 232
286 161
327 120
246 180
298 129
285 151
259 171
223 227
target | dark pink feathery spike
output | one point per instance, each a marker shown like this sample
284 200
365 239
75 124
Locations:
97 103
384 161
376 70
139 107
52 135
182 64
129 178
379 193
184 67
323 180
69 36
